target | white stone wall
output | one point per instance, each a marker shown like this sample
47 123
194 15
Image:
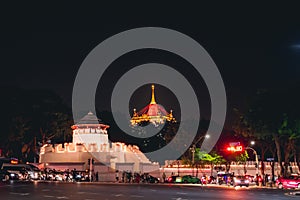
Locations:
91 138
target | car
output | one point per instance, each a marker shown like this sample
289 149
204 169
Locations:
9 174
223 178
291 182
171 179
152 179
240 181
78 175
187 179
212 180
250 178
28 171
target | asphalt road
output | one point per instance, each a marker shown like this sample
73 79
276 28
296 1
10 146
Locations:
86 191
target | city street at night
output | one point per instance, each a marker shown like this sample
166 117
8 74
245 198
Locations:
90 191
148 101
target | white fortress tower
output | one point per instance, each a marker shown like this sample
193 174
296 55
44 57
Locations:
90 141
90 132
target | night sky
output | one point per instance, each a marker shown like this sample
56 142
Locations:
254 47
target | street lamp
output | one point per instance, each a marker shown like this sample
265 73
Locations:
256 158
193 148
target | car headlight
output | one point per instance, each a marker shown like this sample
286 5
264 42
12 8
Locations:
246 181
12 175
238 181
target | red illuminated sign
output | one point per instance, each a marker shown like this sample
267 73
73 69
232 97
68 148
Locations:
235 148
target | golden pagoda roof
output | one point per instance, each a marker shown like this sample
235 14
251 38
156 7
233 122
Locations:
153 112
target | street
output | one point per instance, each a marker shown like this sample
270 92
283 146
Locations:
89 191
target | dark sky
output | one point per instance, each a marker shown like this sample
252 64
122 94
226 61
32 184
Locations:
254 46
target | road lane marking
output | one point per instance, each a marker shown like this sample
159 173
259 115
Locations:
48 196
21 194
63 197
137 196
184 193
118 195
81 192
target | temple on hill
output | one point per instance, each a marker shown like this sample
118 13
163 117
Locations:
90 141
152 113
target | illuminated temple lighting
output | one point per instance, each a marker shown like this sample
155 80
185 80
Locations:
152 113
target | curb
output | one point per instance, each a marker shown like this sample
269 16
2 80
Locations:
161 184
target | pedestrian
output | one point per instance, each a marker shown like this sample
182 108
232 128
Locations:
117 176
123 177
266 179
74 174
97 176
164 177
138 178
129 176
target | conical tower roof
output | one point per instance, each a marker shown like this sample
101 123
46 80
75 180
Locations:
90 118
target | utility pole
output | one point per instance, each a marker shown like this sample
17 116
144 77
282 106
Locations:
178 166
34 149
91 168
193 149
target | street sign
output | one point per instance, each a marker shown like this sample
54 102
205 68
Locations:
270 159
234 144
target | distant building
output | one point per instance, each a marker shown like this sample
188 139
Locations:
90 141
152 113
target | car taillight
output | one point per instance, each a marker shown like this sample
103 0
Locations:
259 179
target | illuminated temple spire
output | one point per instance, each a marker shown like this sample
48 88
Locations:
153 113
153 96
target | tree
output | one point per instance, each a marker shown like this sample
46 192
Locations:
242 159
32 116
265 120
248 126
206 158
290 132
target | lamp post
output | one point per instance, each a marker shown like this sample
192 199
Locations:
193 149
256 158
